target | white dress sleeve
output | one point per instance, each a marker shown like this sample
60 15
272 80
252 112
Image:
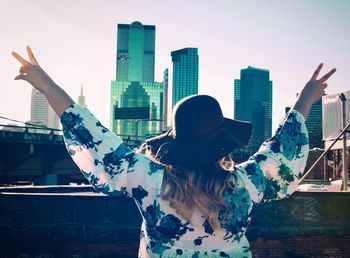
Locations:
107 163
274 171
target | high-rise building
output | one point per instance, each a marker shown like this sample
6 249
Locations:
81 98
137 108
165 99
185 73
41 112
314 125
253 103
136 100
135 52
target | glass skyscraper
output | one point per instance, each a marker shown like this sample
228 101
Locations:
314 125
135 52
137 108
253 103
136 100
185 73
165 99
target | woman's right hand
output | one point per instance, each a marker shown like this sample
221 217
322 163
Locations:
31 72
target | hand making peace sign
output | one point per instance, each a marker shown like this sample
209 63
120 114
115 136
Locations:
312 91
31 72
315 88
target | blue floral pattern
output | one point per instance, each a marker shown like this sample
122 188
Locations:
112 168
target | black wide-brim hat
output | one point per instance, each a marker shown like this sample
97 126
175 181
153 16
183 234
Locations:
200 134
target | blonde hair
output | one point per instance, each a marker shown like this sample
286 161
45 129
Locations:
200 188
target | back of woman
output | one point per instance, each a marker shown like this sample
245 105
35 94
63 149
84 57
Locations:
204 210
190 205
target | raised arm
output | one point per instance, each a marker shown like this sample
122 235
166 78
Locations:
274 171
31 72
109 165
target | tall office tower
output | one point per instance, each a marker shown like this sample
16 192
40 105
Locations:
165 100
81 98
185 73
135 52
314 125
253 103
41 111
136 100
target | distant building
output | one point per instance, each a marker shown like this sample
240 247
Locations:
42 112
253 103
165 99
135 52
314 125
332 119
136 100
81 98
137 108
185 73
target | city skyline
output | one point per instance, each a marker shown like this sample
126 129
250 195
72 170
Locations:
288 38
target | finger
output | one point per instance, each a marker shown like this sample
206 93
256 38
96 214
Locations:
324 85
317 71
326 76
20 58
22 76
23 69
31 56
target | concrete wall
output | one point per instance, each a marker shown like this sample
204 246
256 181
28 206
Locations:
77 223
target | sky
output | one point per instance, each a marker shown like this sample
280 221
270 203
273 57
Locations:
75 42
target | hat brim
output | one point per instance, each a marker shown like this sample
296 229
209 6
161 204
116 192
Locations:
193 153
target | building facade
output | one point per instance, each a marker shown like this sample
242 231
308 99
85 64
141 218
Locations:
41 113
314 125
137 109
332 118
185 73
253 103
165 99
135 52
136 100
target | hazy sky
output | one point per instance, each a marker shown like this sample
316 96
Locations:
77 39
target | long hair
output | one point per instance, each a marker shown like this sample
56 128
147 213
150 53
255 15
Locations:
200 188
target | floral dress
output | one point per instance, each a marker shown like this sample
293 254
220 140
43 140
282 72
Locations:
112 168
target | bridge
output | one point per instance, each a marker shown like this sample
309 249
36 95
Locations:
28 156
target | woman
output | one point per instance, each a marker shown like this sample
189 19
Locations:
194 202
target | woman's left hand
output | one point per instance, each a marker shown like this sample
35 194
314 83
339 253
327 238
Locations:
312 91
31 72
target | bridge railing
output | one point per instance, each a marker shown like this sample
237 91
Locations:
40 135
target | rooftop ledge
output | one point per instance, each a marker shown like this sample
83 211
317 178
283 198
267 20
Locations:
88 190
